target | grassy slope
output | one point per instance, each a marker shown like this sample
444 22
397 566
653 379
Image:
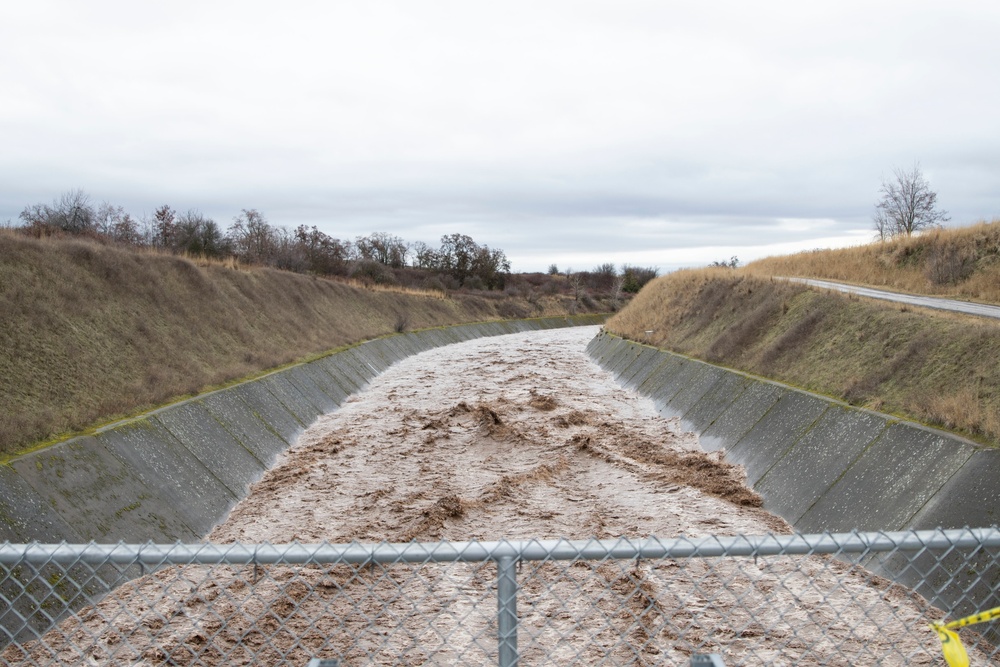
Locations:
962 263
89 333
937 368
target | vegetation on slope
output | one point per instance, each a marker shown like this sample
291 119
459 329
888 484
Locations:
379 258
961 262
93 332
930 366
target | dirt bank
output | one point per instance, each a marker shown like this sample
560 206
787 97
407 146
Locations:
510 437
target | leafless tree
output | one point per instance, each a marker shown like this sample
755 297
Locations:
617 287
323 253
576 282
197 234
72 213
383 248
603 276
164 226
254 240
75 211
424 256
491 266
115 223
907 205
107 215
456 255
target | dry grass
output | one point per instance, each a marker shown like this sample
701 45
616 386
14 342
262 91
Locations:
398 289
961 262
961 408
930 366
94 332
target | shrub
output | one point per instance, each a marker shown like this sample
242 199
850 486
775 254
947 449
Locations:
637 276
370 271
434 283
474 283
948 264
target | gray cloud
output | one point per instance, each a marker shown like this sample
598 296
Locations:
570 130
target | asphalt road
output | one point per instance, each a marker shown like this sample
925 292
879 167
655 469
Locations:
979 309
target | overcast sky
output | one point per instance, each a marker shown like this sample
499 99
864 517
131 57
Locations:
571 132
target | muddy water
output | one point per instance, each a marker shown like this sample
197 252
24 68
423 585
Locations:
524 432
512 437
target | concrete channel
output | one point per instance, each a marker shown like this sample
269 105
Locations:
172 474
825 466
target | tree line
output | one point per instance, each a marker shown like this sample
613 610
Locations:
459 262
250 238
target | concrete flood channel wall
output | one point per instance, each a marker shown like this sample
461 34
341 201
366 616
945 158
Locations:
172 474
826 466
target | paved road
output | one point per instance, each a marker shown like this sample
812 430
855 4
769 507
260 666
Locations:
982 310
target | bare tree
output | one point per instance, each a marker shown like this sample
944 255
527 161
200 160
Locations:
197 234
907 205
164 226
383 248
115 223
603 276
575 279
491 266
323 253
424 256
616 291
75 212
106 217
72 213
456 255
254 240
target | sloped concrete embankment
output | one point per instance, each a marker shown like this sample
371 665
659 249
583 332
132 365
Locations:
826 466
172 474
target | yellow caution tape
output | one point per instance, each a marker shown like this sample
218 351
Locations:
951 645
981 617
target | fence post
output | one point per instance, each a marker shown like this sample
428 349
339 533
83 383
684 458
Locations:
507 610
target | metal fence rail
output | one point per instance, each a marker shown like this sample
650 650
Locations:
770 599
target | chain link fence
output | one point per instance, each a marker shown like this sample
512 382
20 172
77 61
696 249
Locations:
752 600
